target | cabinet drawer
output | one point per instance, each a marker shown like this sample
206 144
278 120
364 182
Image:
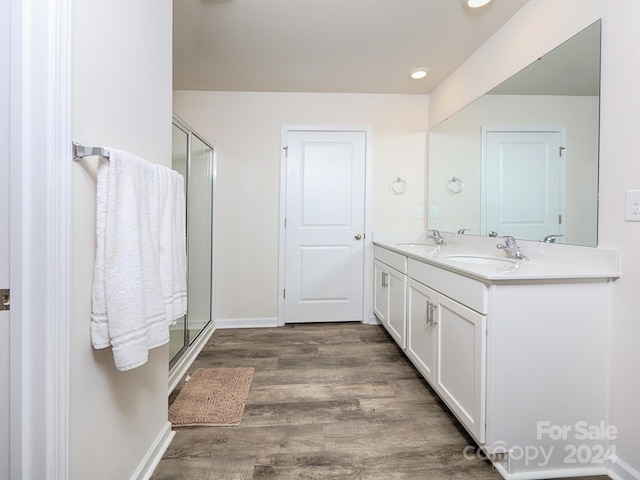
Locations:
393 259
463 289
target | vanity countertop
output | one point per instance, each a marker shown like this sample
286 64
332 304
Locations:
485 264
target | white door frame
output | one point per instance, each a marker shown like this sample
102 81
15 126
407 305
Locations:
367 308
40 223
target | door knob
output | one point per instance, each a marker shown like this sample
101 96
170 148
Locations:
357 236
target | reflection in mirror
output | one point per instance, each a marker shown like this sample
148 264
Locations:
522 160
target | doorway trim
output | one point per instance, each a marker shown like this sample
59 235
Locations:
367 308
40 227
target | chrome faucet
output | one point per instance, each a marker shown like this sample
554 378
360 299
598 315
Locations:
462 230
510 246
437 238
551 238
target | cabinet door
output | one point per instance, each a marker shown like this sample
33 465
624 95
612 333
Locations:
397 321
381 293
461 361
421 334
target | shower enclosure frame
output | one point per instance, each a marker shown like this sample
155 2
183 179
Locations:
194 341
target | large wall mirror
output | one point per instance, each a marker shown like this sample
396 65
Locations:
522 160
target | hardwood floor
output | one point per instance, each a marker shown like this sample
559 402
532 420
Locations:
328 401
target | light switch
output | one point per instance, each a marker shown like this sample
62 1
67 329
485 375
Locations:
417 212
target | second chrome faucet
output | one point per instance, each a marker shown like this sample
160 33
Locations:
511 248
437 238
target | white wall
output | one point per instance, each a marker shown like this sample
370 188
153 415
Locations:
534 30
121 98
245 129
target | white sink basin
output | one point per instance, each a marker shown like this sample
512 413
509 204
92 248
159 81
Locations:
413 245
480 260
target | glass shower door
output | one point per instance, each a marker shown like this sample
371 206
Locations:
200 235
195 160
180 154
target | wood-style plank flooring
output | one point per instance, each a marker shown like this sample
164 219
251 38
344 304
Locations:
328 401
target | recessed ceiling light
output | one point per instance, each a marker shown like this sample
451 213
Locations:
418 73
476 3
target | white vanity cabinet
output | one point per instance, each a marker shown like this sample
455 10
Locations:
519 355
390 281
446 342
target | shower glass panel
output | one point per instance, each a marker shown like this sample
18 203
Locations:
195 160
180 151
199 235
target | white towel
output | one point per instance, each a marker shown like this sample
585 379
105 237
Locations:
129 311
173 255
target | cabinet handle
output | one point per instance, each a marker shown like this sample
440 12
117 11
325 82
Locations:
429 313
433 308
385 279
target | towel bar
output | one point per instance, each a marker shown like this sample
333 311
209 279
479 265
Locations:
81 151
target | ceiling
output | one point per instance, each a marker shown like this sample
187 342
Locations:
341 46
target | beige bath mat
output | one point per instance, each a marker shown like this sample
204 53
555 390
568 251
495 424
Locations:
212 397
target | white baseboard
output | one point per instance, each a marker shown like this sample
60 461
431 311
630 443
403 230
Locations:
549 474
621 470
179 369
154 454
247 322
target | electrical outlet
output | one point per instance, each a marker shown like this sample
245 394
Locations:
417 212
632 206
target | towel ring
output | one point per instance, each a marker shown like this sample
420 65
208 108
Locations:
398 186
455 185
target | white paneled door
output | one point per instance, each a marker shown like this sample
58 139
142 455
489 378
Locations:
4 242
4 324
325 220
525 185
4 320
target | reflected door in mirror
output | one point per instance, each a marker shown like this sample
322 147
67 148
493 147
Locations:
524 188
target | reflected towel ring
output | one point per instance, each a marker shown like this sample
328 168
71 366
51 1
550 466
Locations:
398 186
455 185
